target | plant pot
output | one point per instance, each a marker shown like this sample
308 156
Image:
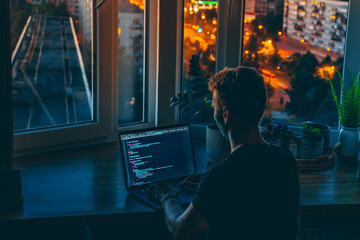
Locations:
324 131
217 147
349 142
310 147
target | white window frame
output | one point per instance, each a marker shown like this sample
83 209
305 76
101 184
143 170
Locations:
105 127
229 54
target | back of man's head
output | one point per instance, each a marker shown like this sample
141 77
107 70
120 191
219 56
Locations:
242 91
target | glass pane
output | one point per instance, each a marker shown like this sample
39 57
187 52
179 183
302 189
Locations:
131 61
294 44
199 56
52 63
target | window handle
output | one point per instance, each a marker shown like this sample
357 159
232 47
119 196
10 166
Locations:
100 4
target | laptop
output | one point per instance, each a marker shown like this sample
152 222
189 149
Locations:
156 155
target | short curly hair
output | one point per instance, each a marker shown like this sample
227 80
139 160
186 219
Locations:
242 91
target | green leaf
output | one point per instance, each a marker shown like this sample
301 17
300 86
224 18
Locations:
338 107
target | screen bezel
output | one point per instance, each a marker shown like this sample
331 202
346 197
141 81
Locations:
146 130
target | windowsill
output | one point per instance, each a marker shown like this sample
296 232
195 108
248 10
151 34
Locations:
199 131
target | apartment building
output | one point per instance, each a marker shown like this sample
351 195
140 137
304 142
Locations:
318 23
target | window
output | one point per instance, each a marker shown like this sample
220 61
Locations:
105 46
52 64
199 56
131 36
295 45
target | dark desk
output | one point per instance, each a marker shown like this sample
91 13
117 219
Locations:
86 186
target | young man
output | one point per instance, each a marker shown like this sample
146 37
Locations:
254 193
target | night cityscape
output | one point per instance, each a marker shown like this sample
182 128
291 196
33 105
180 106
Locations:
293 43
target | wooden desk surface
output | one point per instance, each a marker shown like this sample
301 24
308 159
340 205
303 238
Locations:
86 186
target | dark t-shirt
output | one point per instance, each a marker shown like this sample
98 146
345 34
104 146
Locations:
253 194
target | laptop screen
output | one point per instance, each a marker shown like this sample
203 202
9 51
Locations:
157 155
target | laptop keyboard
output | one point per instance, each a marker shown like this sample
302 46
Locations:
178 187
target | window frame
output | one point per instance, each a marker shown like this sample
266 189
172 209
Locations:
227 56
104 127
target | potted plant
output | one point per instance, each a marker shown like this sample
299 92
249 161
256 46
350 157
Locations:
198 97
349 113
276 133
312 143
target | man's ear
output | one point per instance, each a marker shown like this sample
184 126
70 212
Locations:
226 115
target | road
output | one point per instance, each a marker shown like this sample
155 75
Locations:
49 84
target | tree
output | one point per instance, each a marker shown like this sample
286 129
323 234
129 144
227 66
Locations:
307 95
302 63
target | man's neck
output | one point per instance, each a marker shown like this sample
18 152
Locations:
244 137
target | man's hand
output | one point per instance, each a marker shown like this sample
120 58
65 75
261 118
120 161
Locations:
192 181
161 191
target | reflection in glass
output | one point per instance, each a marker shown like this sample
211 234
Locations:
51 63
131 61
295 44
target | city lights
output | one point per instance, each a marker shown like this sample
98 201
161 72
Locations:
328 49
279 33
202 16
214 21
246 51
206 2
119 31
260 27
269 41
199 30
302 40
247 33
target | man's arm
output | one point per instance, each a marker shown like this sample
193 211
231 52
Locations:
183 225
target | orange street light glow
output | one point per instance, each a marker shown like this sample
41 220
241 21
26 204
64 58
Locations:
119 31
328 49
267 73
246 52
278 67
302 40
260 27
269 41
214 21
279 33
247 33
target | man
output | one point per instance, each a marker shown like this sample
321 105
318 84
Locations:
254 193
